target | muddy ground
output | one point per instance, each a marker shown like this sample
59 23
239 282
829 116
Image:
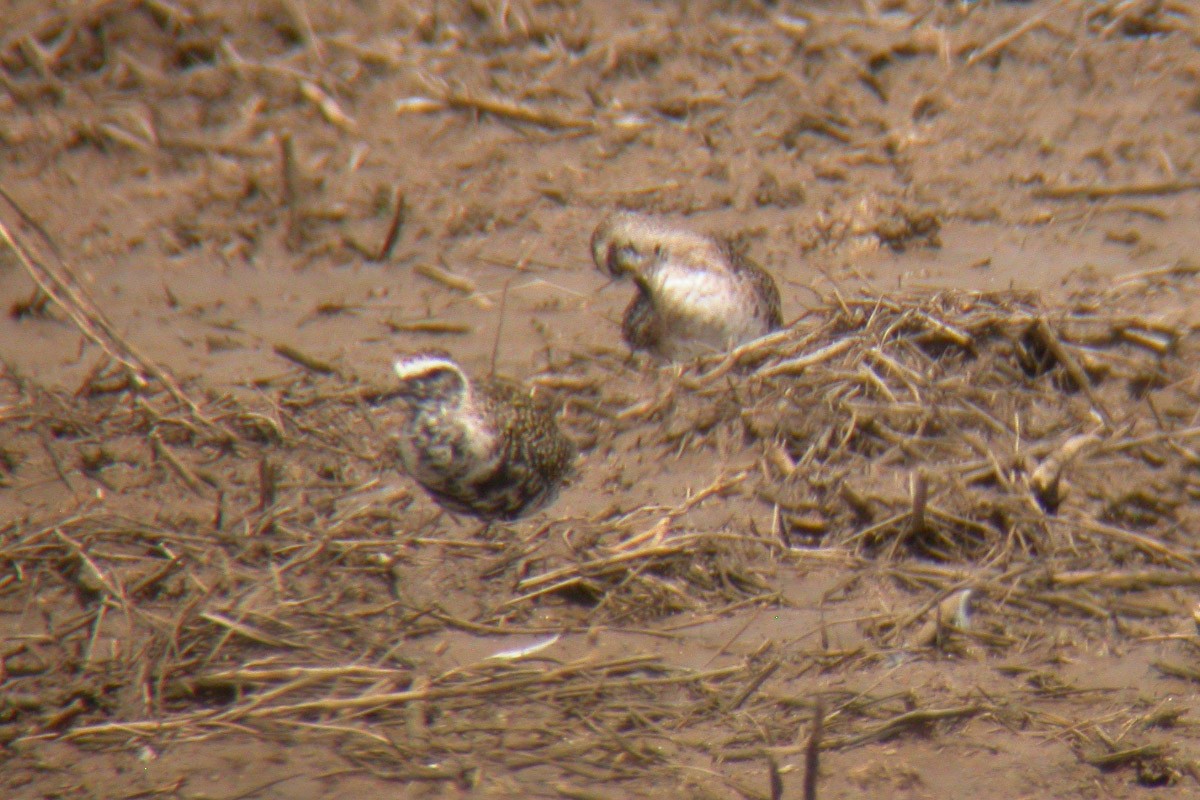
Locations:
983 219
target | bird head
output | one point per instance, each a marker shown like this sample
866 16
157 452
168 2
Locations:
427 379
623 244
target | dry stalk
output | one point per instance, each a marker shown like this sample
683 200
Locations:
1102 191
799 364
61 285
1046 481
310 363
283 621
395 227
329 108
889 728
812 752
998 44
446 278
511 110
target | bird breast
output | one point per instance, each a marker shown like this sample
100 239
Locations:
705 304
449 444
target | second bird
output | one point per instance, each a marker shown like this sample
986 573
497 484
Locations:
696 294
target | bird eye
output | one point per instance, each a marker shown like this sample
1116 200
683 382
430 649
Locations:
614 260
622 258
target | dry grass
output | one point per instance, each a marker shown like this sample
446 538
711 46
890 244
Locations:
1039 457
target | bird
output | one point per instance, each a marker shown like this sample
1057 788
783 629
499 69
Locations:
482 448
696 294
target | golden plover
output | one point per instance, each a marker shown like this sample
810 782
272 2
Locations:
696 294
481 447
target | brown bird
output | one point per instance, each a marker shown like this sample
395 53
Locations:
696 294
483 448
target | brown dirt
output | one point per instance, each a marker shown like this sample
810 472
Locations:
981 215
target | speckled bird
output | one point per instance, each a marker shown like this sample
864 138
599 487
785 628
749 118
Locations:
695 294
484 447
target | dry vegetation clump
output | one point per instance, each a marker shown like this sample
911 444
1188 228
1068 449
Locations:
970 426
963 428
240 562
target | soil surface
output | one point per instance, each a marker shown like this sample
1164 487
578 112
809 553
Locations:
949 512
